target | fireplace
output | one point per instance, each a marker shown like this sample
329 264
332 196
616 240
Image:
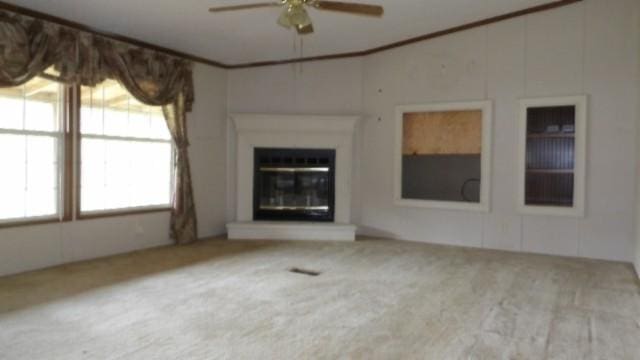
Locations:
292 167
294 184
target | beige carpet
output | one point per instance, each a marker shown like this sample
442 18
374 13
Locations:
373 300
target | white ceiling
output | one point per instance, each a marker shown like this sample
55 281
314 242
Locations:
252 35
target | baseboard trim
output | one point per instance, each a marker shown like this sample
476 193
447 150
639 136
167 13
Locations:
219 236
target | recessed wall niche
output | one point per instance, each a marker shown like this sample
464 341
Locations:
443 155
552 155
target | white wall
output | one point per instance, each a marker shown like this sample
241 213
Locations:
586 48
208 151
637 227
33 247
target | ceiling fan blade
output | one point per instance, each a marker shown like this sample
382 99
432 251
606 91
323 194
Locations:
360 9
244 7
306 29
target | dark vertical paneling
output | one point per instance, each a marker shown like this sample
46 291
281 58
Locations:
550 156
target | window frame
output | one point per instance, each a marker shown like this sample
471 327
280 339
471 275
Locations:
69 171
77 202
61 136
484 205
580 102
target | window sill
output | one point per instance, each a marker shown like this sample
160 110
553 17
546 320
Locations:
545 210
121 212
30 222
85 216
443 205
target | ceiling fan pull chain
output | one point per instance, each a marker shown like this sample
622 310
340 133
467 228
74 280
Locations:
295 44
294 66
301 53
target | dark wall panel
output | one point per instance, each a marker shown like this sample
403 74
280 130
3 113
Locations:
441 177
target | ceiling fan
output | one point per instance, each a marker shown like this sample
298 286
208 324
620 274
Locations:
295 15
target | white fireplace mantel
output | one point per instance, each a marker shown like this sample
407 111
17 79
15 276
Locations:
293 131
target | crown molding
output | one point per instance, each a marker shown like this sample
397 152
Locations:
352 54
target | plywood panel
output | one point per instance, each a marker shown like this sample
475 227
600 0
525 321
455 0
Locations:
443 132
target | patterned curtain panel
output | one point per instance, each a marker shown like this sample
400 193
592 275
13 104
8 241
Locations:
183 215
32 47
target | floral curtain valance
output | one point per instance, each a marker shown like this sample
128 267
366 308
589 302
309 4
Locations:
29 46
26 49
33 47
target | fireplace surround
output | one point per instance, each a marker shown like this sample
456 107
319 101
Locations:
293 132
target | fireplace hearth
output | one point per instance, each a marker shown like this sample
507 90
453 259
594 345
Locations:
294 184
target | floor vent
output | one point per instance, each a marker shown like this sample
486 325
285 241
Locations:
304 271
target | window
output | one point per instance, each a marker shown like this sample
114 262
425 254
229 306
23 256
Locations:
443 155
124 149
126 152
552 155
31 133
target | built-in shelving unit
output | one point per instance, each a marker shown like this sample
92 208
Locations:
551 136
552 155
550 171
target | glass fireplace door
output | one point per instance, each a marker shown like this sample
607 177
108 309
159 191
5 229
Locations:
294 188
294 185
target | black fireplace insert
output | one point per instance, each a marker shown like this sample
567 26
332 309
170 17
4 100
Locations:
294 184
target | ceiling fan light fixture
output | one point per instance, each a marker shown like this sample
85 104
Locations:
298 16
303 30
284 19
